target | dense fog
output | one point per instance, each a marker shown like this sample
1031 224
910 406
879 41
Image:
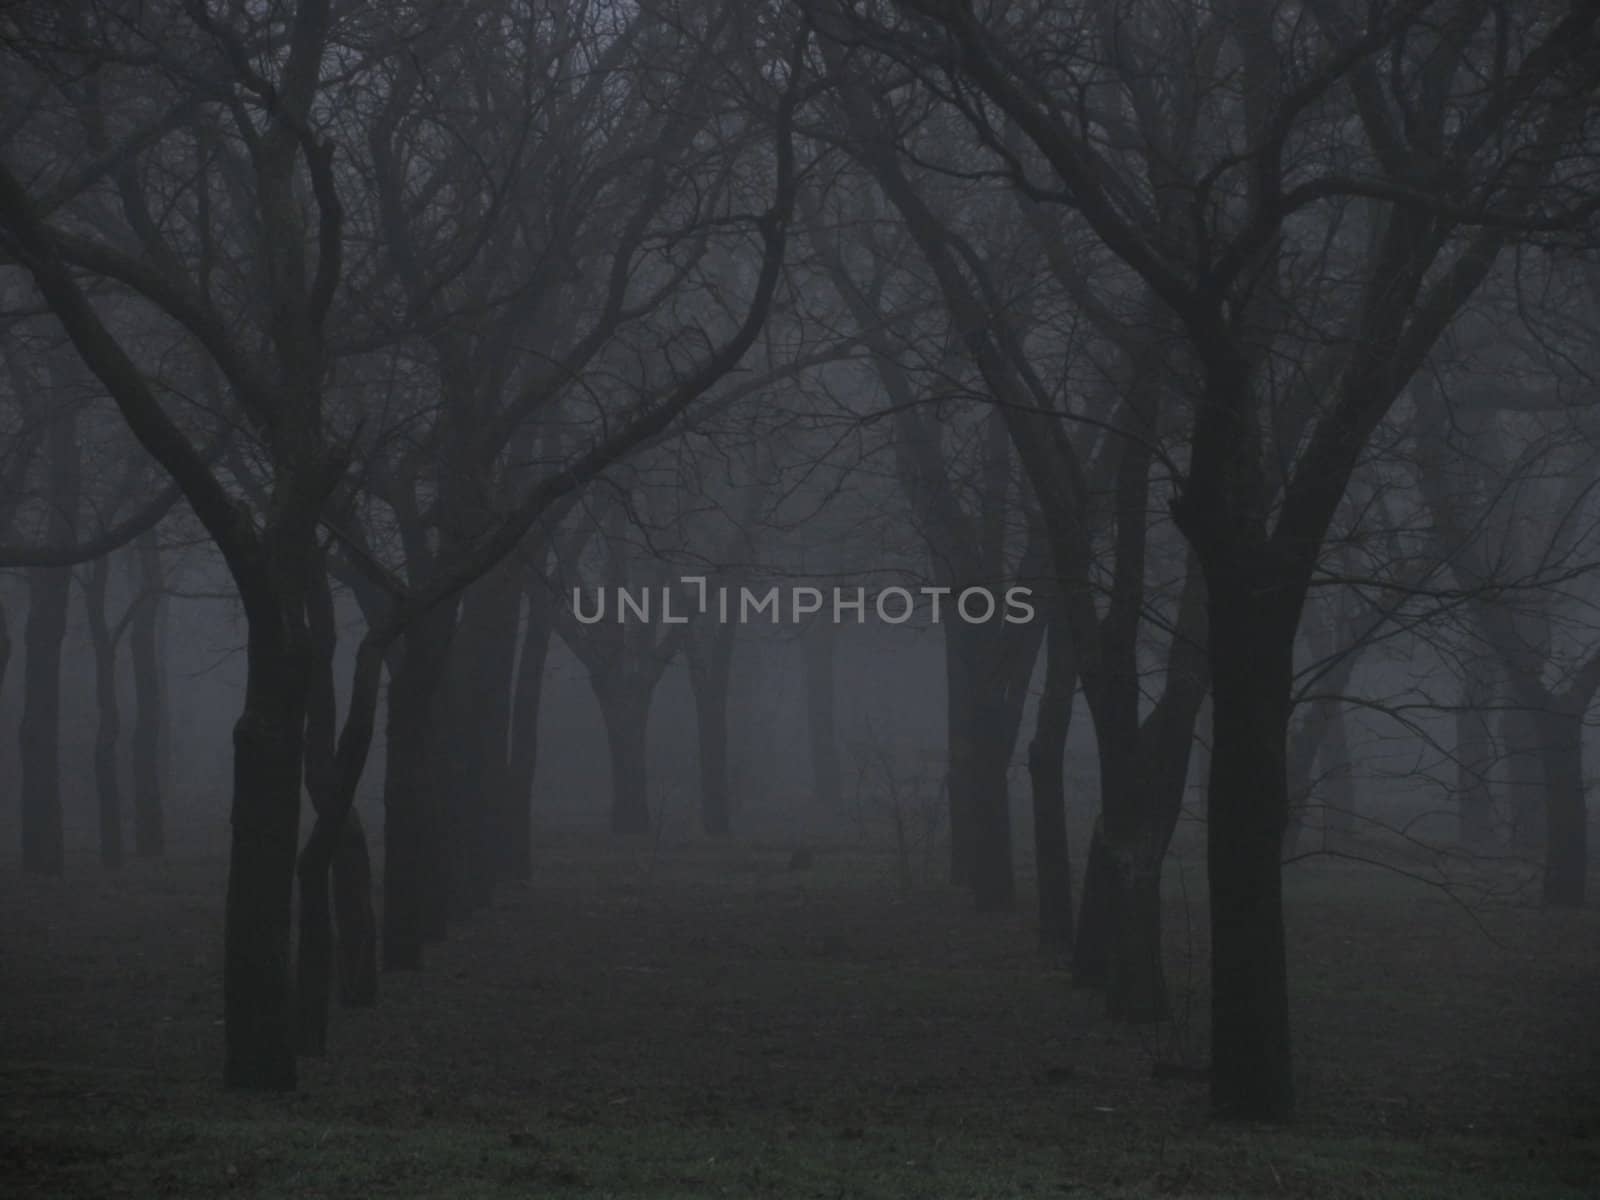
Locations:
854 593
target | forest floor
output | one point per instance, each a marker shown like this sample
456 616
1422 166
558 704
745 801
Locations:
706 1022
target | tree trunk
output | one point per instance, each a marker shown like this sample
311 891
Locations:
43 849
354 922
149 700
1475 753
710 671
107 779
1091 948
268 745
436 793
1338 781
1525 778
516 815
1143 773
410 859
6 645
627 719
313 976
1252 653
1566 860
1047 773
961 785
994 887
40 731
482 661
335 876
826 780
1136 983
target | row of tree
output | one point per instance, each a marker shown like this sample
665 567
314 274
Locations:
1212 322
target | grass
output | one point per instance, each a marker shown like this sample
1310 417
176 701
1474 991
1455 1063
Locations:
711 1024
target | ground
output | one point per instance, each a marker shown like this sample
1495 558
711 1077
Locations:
703 1021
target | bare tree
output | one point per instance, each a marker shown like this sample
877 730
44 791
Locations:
1469 132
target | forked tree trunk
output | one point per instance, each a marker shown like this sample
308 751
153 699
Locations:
338 930
149 699
1143 778
107 780
334 873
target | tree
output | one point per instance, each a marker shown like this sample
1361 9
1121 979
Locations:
1443 140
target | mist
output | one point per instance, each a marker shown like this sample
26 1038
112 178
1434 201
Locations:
800 598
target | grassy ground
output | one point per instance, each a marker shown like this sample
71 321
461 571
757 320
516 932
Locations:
708 1023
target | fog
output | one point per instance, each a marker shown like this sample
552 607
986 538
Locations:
804 598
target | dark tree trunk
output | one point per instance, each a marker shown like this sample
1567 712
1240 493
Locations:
338 930
108 718
1144 770
1475 754
994 886
961 784
334 872
1047 774
410 857
5 663
355 924
149 700
1252 652
1566 860
1091 948
314 961
1143 773
1136 983
268 744
482 663
994 663
627 719
436 794
1311 741
43 849
516 820
1525 778
821 722
314 964
5 645
1339 811
710 653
